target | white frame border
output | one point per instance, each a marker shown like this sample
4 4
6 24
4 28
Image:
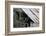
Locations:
24 29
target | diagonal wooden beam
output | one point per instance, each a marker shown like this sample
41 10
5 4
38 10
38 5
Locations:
30 15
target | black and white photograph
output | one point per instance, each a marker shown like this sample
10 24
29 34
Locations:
25 17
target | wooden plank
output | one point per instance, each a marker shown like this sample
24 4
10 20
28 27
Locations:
30 14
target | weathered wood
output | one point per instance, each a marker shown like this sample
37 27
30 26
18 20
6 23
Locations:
31 15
